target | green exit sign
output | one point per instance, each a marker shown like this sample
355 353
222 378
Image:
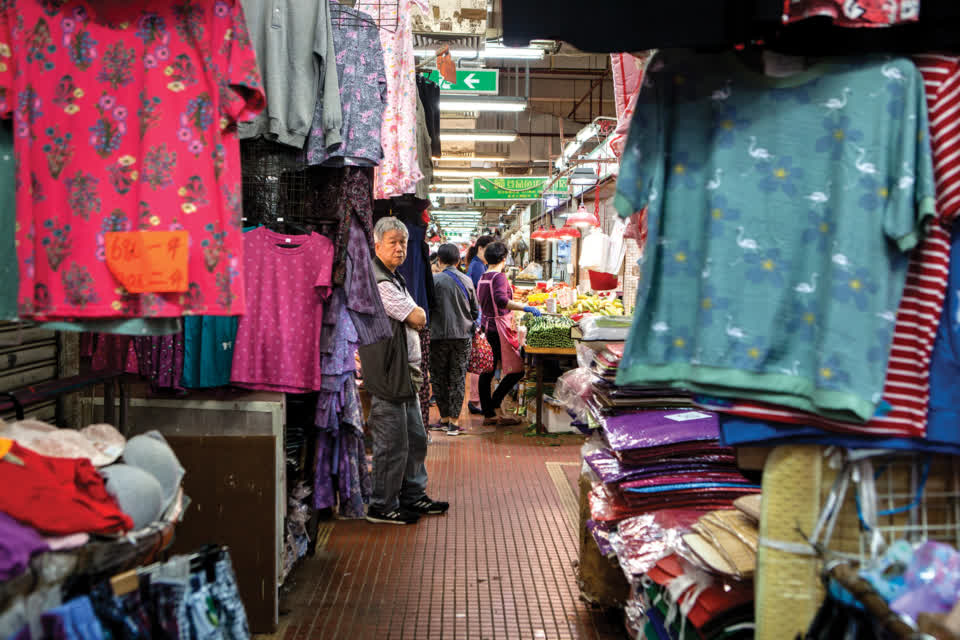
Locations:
469 81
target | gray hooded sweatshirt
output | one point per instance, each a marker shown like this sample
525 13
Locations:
294 44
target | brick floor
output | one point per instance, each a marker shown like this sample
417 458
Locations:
501 564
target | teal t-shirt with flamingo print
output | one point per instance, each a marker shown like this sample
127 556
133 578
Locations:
780 214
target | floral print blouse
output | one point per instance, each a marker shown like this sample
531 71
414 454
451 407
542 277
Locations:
126 120
399 171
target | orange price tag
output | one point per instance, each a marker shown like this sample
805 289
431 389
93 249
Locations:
149 261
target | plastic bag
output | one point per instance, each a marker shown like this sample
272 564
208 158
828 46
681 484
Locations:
533 271
932 581
609 328
641 541
573 389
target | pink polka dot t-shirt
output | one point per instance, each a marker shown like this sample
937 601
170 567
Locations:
287 280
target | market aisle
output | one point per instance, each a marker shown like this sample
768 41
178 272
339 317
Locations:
499 565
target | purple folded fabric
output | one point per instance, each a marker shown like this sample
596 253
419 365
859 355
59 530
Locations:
18 543
611 470
647 429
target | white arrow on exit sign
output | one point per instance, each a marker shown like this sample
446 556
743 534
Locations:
471 81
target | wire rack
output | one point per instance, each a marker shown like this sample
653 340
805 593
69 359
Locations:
916 498
278 188
380 14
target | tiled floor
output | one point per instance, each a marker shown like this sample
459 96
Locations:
499 565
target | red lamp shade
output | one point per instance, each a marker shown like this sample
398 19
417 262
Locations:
568 233
539 234
583 218
553 234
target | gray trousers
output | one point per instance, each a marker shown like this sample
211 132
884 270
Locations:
399 449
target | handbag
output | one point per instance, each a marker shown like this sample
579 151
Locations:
481 355
386 369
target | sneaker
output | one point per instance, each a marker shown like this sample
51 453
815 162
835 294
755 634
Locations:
439 426
453 430
427 507
397 516
474 409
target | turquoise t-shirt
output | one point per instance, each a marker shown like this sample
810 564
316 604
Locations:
9 272
779 214
208 350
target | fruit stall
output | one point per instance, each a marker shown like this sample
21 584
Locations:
548 341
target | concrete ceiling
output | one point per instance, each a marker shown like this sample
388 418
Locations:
565 91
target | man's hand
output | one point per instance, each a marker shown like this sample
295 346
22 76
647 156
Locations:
417 319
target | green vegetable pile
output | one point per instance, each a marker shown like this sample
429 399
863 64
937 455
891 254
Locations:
548 332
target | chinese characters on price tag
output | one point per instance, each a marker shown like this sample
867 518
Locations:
149 261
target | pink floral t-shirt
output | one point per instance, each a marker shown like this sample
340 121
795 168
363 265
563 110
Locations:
288 279
124 120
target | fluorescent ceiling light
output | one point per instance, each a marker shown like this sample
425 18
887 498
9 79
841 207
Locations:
449 194
455 212
466 135
469 159
466 173
583 176
491 50
482 103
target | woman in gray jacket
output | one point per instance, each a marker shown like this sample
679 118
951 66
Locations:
452 322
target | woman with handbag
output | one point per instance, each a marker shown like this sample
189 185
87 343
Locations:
496 303
452 322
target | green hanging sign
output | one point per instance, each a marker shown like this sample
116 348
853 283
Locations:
515 188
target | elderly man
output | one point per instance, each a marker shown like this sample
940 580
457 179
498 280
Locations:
392 374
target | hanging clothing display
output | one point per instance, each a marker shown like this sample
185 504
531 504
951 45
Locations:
121 326
160 360
399 171
429 93
907 388
944 413
627 71
363 94
294 44
9 272
208 351
424 143
416 268
363 298
115 130
791 215
277 340
342 477
863 13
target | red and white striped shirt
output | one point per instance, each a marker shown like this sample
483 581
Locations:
907 387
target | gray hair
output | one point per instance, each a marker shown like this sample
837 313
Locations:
389 223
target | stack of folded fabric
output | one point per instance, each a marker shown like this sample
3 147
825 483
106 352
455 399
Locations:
666 459
691 572
609 397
